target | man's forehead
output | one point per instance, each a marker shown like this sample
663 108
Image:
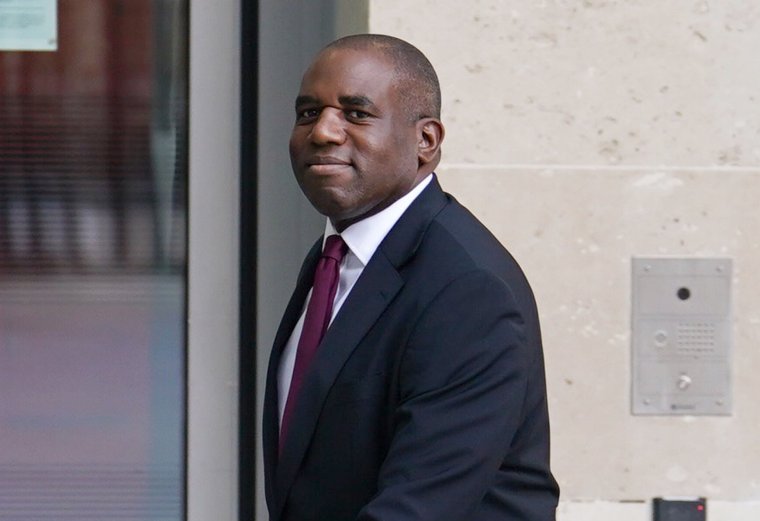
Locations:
350 61
352 75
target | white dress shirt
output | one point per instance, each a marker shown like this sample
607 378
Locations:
362 239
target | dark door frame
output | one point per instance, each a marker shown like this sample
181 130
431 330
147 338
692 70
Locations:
248 413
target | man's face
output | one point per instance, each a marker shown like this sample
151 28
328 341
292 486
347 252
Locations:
353 148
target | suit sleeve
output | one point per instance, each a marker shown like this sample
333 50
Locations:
462 391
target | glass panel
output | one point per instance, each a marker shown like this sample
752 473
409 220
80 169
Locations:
93 174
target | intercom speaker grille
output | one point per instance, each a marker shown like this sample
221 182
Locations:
696 337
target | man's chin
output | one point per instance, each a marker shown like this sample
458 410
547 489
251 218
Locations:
330 204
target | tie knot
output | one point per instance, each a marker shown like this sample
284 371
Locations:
335 248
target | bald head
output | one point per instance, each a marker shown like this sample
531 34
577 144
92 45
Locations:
415 76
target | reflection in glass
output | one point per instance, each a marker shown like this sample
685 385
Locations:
93 173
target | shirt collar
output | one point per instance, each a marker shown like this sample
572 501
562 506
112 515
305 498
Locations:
364 237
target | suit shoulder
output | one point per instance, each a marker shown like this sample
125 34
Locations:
456 243
458 235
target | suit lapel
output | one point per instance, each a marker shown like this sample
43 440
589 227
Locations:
271 422
374 290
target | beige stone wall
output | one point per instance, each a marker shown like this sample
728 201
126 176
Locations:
584 132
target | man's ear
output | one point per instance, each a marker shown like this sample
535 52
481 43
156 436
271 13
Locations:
430 134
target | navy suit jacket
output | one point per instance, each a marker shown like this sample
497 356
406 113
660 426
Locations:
426 399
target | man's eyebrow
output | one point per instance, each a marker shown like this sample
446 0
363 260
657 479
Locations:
305 100
356 101
359 100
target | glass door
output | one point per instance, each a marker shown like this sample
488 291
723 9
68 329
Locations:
93 212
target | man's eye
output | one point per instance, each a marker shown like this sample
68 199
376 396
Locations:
357 114
307 114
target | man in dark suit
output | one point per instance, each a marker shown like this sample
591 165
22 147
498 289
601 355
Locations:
425 397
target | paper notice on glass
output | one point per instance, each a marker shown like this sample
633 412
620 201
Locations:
28 25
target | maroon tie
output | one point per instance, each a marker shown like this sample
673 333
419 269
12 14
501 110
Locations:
317 319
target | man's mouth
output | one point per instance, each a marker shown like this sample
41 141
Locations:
326 160
326 164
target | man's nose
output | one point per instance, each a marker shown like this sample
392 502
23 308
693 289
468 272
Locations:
328 129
